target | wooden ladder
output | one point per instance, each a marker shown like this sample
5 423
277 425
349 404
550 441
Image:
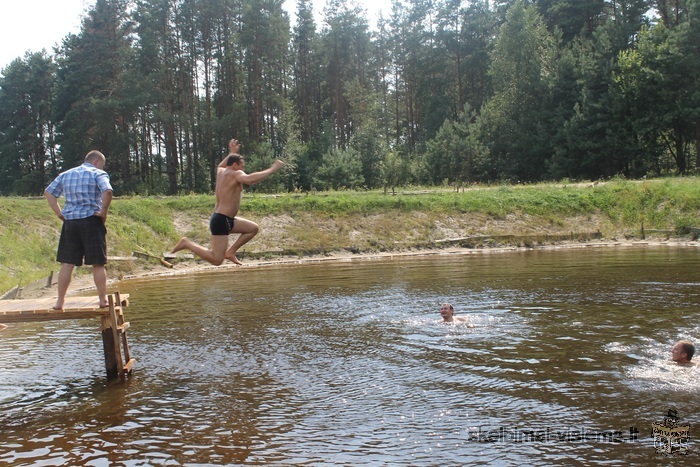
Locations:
118 361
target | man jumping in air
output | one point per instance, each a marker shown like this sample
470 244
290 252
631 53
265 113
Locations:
230 179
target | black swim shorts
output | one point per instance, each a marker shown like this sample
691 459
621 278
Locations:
83 238
220 224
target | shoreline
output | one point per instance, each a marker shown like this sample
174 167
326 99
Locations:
85 283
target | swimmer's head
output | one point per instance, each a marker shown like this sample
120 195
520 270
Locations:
446 311
683 352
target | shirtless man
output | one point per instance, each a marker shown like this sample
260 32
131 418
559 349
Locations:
447 312
230 179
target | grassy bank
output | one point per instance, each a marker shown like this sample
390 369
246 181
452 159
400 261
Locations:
318 223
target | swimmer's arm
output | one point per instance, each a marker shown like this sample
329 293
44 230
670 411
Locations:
464 320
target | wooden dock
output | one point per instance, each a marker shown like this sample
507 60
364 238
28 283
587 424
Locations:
118 361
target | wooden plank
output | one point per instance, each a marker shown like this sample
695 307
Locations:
25 305
148 255
28 309
116 348
129 365
40 309
82 303
29 316
113 327
77 303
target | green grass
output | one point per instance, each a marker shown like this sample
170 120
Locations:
29 231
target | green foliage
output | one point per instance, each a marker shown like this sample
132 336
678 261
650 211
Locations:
147 211
456 154
516 117
30 231
395 171
663 118
26 125
339 170
91 99
445 90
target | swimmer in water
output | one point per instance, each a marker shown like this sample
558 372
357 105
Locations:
682 353
447 312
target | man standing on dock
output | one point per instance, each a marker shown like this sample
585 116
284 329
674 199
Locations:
88 195
230 179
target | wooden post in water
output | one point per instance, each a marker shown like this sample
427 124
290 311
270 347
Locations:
113 329
118 361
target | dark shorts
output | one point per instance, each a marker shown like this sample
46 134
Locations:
220 224
83 238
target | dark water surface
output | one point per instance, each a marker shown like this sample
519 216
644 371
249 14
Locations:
347 363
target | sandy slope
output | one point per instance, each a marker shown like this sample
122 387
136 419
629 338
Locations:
145 268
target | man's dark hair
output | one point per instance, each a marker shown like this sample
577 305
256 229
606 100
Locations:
688 348
233 159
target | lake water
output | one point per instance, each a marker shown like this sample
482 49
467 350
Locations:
347 363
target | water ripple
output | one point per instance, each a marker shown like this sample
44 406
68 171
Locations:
348 363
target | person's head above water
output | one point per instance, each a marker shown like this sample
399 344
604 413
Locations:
447 311
683 352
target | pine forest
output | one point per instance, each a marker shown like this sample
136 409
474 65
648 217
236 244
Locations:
437 92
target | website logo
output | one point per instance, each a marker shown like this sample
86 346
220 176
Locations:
669 437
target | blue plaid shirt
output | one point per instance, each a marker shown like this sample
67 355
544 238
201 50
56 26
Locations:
83 187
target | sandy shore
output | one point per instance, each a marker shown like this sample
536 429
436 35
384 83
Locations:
82 283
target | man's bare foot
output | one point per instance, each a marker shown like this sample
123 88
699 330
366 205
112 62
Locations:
233 258
181 245
104 306
57 307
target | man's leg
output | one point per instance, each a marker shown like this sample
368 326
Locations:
215 256
64 276
99 274
247 230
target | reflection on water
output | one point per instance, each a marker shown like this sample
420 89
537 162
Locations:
347 363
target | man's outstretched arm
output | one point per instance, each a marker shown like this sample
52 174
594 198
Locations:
255 177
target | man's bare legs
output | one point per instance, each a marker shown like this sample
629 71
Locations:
247 230
215 256
218 252
99 274
65 274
